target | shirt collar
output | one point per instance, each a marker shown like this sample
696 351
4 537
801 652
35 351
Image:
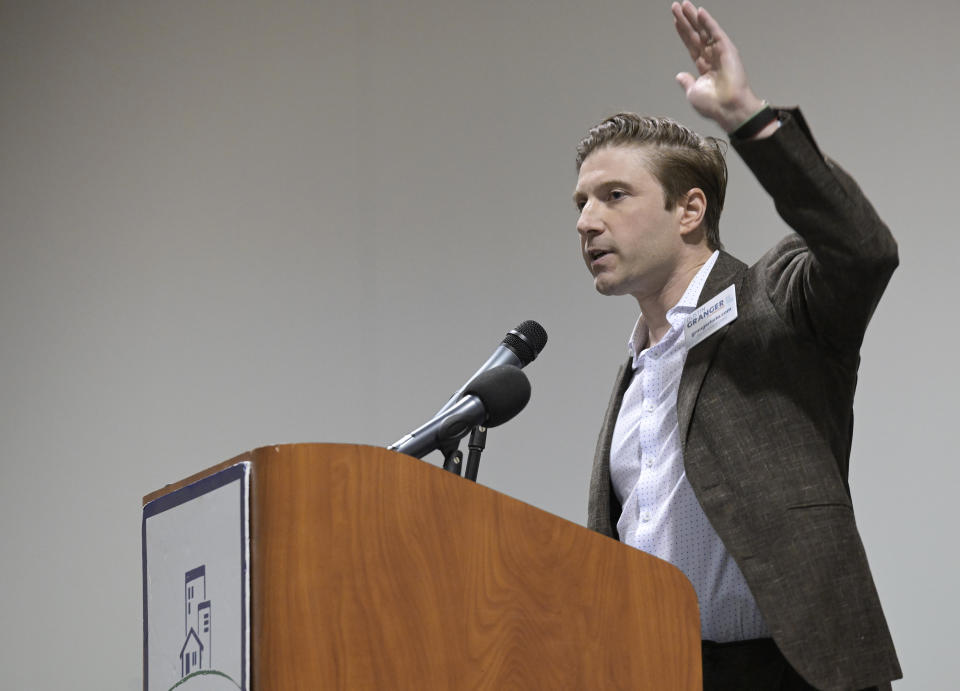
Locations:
676 314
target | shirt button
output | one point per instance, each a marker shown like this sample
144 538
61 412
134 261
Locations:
648 462
648 406
645 517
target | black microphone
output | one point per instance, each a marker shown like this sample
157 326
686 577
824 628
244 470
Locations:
490 399
519 348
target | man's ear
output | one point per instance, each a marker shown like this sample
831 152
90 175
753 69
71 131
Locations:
693 209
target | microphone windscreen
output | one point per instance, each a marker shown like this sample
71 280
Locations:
503 390
526 341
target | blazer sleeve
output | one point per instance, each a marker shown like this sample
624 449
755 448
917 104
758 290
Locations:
826 280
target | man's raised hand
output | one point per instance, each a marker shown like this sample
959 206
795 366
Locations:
720 91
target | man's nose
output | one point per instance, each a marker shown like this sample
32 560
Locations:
589 221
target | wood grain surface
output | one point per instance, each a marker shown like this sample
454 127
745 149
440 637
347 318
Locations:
373 570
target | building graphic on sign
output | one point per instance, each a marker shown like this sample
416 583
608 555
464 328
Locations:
195 654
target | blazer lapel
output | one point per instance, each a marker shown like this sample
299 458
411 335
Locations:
603 509
727 270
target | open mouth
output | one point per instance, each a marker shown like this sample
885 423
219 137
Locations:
596 254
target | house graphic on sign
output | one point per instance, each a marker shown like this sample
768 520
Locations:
195 654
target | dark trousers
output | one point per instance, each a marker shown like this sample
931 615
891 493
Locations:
755 665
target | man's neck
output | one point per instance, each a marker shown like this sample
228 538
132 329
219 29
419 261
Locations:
655 306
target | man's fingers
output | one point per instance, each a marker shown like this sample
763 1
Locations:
711 26
686 33
691 15
702 27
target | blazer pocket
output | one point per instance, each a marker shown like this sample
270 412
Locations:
821 505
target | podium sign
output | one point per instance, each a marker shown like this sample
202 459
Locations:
196 585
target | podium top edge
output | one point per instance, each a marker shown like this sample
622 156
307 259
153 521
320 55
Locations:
258 452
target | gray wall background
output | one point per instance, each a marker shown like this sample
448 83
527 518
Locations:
227 224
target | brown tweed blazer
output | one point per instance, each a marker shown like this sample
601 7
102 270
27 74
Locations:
765 408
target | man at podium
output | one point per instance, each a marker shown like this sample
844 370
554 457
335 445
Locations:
726 442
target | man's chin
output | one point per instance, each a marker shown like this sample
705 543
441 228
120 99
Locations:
606 287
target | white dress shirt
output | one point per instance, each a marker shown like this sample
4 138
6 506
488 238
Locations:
661 514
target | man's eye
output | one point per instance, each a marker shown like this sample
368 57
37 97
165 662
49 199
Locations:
580 205
617 194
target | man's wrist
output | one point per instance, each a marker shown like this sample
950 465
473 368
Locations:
739 113
761 124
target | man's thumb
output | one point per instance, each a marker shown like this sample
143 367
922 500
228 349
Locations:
686 80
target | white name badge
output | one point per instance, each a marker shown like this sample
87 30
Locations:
710 316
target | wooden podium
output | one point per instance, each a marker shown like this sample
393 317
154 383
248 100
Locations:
373 570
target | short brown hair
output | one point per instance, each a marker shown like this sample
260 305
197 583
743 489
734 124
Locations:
680 160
